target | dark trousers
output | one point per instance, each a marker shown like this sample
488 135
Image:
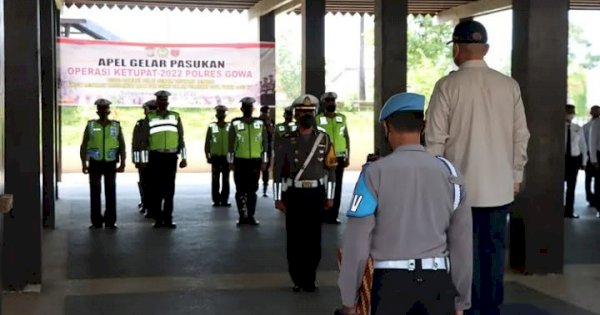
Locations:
332 213
422 292
489 234
596 200
572 166
96 170
144 186
220 180
265 175
246 175
304 207
162 169
590 174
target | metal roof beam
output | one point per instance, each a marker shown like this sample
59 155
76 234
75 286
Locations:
291 6
475 8
265 6
90 28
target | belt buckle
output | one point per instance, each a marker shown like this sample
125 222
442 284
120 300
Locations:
306 184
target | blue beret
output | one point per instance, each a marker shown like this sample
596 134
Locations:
402 102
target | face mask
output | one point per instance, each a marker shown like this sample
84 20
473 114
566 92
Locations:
247 112
220 116
570 116
307 121
330 108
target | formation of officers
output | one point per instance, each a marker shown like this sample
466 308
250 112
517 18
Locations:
246 145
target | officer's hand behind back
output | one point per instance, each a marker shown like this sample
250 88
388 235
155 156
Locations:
84 169
280 205
328 203
121 168
183 164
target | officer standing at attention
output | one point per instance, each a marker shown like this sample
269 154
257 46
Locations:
136 149
248 143
266 118
215 148
288 125
304 168
102 147
335 125
163 136
409 213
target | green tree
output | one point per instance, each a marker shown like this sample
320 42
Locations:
429 58
581 59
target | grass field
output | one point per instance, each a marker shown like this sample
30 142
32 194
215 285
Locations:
195 121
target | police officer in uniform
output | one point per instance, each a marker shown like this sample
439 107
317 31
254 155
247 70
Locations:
337 129
409 213
266 118
136 149
101 149
163 138
304 167
248 144
215 148
287 126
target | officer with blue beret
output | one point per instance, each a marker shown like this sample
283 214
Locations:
409 213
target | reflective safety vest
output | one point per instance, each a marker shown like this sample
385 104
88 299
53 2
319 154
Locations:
164 134
219 139
249 139
103 141
283 128
335 128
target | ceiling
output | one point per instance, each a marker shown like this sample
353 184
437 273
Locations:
336 6
342 6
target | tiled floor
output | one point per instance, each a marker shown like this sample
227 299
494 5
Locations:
209 266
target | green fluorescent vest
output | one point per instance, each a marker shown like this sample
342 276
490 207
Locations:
163 131
219 139
103 141
283 128
249 140
335 128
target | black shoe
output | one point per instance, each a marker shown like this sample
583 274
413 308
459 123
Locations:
240 222
296 288
253 221
216 204
571 216
96 226
149 216
157 225
265 195
141 205
170 225
111 226
226 204
309 288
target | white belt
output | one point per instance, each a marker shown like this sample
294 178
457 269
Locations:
437 263
305 183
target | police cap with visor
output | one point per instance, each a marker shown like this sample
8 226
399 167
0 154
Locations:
305 103
102 102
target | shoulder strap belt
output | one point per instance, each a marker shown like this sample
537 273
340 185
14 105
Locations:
310 155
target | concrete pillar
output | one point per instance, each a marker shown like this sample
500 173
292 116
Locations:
2 132
267 34
313 47
390 58
22 256
539 64
48 73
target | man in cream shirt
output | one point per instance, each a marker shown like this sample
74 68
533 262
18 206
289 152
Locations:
476 119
